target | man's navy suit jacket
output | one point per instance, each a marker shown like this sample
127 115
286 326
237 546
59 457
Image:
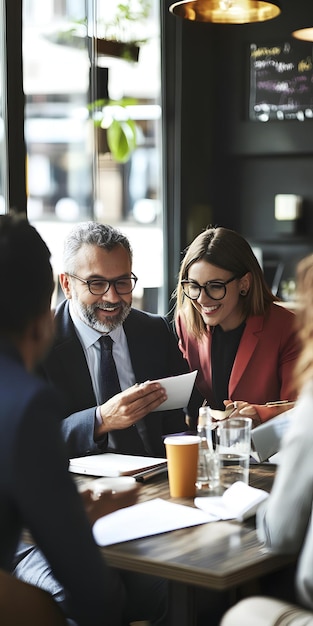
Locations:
154 354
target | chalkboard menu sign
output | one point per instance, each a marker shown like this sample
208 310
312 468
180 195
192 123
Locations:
281 81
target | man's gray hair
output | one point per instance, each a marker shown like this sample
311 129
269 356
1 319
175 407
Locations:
92 233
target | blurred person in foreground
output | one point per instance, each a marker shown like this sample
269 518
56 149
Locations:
230 328
36 489
285 522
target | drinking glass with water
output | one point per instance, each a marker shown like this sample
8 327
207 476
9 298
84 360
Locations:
234 450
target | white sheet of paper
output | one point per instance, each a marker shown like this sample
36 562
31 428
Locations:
146 518
238 502
178 389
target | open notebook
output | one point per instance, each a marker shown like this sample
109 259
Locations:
239 502
110 464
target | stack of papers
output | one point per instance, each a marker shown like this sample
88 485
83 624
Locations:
239 502
158 516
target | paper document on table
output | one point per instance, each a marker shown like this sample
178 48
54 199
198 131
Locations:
110 464
144 519
178 389
238 502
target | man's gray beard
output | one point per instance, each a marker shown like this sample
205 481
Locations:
87 314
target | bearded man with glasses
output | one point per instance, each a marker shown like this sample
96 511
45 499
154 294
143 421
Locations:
98 283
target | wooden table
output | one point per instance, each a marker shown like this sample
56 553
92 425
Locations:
220 556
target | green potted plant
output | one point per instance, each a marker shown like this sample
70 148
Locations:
122 34
119 35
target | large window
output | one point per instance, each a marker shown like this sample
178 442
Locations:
3 116
73 173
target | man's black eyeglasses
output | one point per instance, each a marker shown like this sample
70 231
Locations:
98 286
214 289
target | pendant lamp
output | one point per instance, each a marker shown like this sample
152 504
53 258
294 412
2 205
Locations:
226 11
305 34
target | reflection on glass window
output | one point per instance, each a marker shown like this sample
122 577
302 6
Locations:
3 139
92 125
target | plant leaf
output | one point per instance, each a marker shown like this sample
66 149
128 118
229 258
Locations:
121 136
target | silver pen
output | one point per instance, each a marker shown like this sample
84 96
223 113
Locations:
279 403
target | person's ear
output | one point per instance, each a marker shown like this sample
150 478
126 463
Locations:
245 284
66 285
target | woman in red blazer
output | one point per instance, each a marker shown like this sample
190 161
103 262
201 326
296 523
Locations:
243 344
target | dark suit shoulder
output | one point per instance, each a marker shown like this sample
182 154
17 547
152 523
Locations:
65 366
64 327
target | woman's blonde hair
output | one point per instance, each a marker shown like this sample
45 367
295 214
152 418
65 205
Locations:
304 319
230 251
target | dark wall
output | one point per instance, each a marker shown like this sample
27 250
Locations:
226 168
231 168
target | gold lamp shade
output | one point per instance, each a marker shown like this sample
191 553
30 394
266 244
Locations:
305 34
226 11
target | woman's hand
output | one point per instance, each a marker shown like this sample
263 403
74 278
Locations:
244 409
259 413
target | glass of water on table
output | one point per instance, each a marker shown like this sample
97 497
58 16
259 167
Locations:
234 450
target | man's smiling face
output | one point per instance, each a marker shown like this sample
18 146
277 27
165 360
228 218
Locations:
106 312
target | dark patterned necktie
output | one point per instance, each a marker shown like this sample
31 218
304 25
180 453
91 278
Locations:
128 440
109 382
